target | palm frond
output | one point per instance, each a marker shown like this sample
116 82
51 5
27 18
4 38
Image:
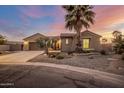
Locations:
78 16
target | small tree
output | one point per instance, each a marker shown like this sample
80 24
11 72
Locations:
44 44
54 41
2 40
41 42
118 42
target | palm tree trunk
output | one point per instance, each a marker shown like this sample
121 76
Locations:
78 47
78 39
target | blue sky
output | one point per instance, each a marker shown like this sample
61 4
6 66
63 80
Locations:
17 22
21 21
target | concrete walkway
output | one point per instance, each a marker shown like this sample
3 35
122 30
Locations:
99 77
21 56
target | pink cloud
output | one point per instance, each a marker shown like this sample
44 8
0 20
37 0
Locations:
31 11
57 26
107 16
54 29
59 14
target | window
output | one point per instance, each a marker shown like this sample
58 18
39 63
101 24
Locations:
86 43
66 41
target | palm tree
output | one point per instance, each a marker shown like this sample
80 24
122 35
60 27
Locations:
118 42
117 36
77 17
116 33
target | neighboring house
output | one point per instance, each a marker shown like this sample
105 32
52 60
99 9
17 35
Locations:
12 46
15 45
66 41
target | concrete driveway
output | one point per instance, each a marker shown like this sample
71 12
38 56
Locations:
21 56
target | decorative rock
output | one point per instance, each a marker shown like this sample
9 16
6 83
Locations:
91 57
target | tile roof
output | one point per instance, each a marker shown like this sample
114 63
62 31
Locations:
67 34
35 37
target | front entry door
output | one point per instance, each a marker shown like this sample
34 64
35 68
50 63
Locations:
86 43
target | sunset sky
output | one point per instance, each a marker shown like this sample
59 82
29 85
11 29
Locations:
17 22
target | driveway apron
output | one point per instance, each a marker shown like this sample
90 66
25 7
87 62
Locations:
21 56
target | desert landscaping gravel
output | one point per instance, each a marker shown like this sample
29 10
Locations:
98 62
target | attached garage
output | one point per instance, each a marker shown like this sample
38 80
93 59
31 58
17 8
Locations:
30 42
34 46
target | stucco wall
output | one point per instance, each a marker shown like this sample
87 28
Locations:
94 42
26 45
4 47
16 47
67 47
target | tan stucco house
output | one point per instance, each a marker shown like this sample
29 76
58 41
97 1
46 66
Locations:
89 41
66 41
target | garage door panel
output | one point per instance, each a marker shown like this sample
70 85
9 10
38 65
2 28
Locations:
34 46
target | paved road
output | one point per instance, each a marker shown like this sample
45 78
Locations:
36 75
43 77
16 72
21 56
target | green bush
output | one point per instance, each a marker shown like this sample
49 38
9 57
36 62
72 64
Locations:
103 52
59 56
122 56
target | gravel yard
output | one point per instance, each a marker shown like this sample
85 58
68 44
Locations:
95 61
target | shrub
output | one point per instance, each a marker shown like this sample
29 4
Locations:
60 56
122 56
86 51
103 52
78 50
70 52
52 54
120 51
